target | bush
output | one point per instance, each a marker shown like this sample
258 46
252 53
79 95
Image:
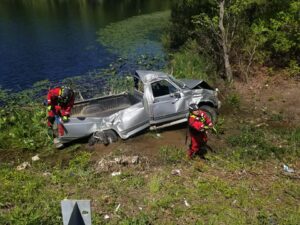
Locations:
188 64
23 127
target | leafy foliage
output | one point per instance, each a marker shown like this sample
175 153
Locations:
23 127
257 31
188 64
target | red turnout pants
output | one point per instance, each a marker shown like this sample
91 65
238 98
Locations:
197 141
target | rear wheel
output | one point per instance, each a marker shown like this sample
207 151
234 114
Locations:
111 136
211 112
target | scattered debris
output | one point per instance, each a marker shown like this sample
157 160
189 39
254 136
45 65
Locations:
288 169
158 135
35 158
23 166
140 208
110 165
106 217
125 160
186 203
116 210
116 174
176 172
261 125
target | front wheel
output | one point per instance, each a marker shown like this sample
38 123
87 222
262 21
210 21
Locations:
211 112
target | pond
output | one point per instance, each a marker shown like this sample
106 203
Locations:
55 39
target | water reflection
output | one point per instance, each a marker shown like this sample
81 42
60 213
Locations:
57 38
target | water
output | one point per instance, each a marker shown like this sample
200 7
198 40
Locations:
55 39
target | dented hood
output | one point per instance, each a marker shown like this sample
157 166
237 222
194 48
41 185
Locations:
196 84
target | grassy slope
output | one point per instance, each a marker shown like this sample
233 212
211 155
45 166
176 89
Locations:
241 184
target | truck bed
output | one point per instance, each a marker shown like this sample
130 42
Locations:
104 106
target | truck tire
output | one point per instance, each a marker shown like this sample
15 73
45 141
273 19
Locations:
111 136
211 112
92 140
100 137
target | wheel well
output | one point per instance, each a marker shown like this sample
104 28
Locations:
113 131
206 103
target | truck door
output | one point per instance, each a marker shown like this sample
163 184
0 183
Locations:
168 103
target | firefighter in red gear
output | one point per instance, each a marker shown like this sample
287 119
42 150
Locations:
60 102
198 122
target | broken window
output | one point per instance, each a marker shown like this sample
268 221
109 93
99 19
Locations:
161 88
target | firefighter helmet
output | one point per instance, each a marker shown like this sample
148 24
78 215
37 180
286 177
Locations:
66 94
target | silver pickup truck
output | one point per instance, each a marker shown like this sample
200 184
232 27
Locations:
158 100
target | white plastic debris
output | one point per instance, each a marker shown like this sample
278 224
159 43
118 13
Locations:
116 210
176 172
106 217
116 174
288 169
23 166
186 203
140 208
35 158
135 160
158 135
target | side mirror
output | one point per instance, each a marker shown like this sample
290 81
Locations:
177 95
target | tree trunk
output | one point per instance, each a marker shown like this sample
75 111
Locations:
224 43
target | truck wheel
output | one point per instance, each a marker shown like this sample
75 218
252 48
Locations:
111 136
92 141
100 137
211 112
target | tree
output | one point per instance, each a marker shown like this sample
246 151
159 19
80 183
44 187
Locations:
235 34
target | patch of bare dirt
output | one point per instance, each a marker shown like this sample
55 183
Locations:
146 144
276 95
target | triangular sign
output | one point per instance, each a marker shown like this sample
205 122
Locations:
76 217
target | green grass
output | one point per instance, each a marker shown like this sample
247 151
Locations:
172 154
233 99
153 196
253 143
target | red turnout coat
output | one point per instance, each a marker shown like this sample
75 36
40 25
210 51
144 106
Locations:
57 108
197 130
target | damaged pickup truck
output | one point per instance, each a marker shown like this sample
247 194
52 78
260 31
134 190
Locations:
158 100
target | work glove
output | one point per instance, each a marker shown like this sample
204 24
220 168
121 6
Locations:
49 108
65 118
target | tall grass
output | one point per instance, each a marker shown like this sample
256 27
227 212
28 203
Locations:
188 64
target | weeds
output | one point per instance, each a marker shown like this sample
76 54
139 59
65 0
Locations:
258 144
234 100
155 184
23 127
171 155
